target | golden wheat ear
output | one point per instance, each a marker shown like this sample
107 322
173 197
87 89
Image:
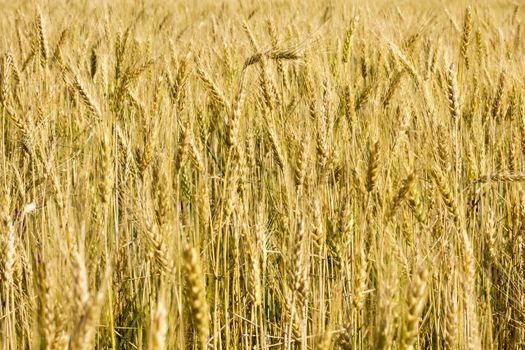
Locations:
196 295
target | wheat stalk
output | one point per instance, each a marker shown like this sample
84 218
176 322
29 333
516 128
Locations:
42 39
86 98
501 177
465 36
196 295
452 93
348 38
372 173
84 332
159 325
446 195
416 303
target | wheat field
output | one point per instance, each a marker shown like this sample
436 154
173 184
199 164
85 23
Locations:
262 174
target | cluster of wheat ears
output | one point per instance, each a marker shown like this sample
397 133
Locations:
262 175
